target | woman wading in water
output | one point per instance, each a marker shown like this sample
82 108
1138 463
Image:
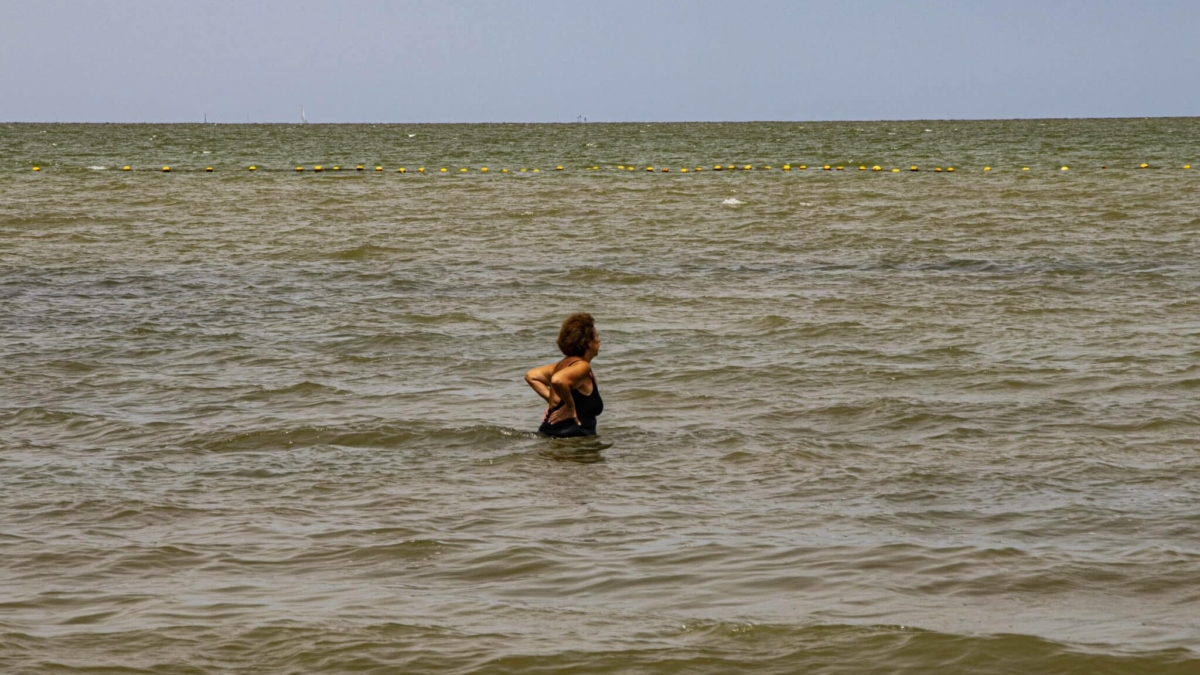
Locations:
569 386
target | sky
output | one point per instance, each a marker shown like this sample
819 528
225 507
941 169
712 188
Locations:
606 60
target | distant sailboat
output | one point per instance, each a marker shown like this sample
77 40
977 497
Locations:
303 119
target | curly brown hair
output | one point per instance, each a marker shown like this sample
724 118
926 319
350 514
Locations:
576 334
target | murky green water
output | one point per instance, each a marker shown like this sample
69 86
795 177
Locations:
862 422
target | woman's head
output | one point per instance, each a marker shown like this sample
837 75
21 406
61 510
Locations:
578 336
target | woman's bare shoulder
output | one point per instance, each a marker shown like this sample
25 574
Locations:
573 371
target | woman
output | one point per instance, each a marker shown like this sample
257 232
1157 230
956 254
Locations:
569 386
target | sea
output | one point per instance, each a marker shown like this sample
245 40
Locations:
905 421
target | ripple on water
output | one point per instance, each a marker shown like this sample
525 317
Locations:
854 423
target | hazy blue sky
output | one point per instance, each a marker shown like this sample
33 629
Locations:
610 60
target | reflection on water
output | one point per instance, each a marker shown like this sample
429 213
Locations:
580 450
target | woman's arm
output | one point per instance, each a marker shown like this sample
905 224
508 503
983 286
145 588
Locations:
561 384
539 379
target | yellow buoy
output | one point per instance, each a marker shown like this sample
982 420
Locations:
895 170
443 170
877 168
729 166
684 170
253 168
503 170
827 168
950 169
699 168
126 168
37 168
1187 166
620 167
1144 166
767 167
299 168
359 167
166 168
841 168
718 167
523 170
665 170
558 168
787 167
537 170
402 170
913 168
483 169
1063 169
862 167
317 168
463 170
987 168
937 169
803 167
649 168
747 168
208 169
337 168
420 169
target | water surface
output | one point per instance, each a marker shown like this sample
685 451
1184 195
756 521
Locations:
861 422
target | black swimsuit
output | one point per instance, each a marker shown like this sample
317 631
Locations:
586 409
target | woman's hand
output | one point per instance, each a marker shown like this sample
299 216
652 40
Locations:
561 414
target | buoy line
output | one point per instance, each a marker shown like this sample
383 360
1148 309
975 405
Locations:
624 168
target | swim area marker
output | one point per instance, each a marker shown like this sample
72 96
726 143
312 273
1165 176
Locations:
379 168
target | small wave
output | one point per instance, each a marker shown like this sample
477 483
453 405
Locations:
763 324
702 646
356 436
73 366
389 553
305 389
45 416
732 201
364 252
585 275
960 265
437 319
